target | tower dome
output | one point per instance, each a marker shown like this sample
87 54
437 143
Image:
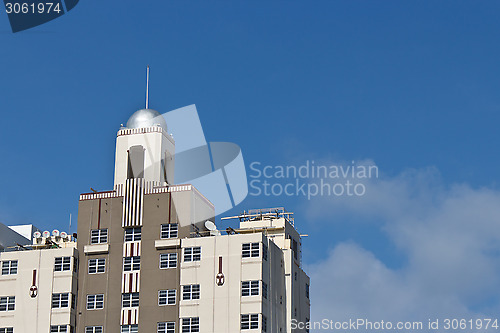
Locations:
146 118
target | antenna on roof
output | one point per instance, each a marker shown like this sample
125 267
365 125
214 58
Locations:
147 87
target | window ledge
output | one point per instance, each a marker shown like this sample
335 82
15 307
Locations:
96 249
167 243
252 299
8 277
63 274
251 260
189 264
61 310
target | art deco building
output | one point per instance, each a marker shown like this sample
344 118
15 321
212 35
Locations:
151 259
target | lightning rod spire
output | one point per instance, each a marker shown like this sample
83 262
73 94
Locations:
147 88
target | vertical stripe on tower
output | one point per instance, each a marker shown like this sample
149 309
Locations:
133 202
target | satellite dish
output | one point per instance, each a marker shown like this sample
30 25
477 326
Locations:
210 226
46 234
64 235
37 234
55 232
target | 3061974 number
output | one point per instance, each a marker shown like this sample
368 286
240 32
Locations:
470 324
32 8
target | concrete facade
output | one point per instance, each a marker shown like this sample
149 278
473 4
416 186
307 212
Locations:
106 214
42 288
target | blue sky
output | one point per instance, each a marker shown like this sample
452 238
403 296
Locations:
412 87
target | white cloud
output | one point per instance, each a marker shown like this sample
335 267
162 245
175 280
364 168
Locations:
449 237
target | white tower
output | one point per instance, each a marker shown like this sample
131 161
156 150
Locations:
144 149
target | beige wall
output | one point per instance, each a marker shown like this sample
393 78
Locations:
220 307
38 309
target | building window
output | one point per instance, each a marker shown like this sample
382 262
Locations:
131 264
264 323
166 327
130 329
73 301
264 251
307 290
250 288
62 264
249 321
192 254
7 303
60 300
95 302
97 266
130 300
9 267
99 236
7 330
168 260
167 297
191 291
59 328
250 250
190 325
264 289
169 231
93 329
132 234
